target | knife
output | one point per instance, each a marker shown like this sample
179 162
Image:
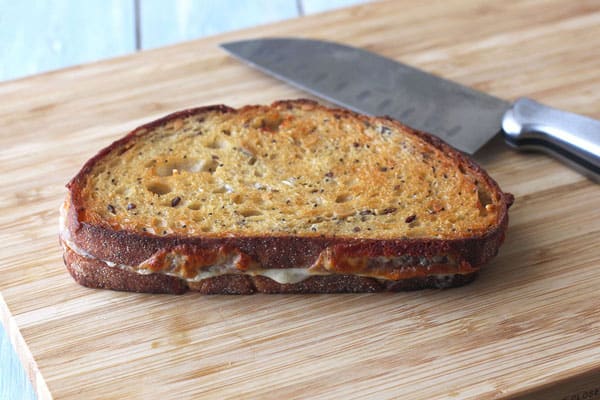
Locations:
466 118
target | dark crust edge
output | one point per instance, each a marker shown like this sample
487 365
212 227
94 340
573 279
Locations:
94 273
284 251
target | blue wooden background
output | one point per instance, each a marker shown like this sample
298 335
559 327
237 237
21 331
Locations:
42 35
14 383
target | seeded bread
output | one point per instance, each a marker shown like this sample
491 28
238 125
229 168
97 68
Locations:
293 197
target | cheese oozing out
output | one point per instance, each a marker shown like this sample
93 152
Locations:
228 265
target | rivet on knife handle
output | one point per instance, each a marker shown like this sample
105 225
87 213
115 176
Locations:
572 138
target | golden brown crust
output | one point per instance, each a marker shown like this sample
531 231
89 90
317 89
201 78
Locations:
281 251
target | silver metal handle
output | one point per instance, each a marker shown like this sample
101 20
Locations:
572 138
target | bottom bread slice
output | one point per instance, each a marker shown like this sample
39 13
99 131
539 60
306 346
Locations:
95 273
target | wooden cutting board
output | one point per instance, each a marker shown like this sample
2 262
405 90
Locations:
529 326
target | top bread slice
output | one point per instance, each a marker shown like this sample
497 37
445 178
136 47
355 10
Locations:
288 197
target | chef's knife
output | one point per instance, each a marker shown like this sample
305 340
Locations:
465 118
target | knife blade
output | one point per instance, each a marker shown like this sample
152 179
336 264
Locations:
466 118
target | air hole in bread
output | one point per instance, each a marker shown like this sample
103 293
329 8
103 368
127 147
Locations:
164 170
217 144
173 167
343 198
258 173
159 223
159 188
209 165
194 206
250 212
238 199
485 201
484 197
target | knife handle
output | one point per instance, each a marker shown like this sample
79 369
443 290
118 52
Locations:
573 138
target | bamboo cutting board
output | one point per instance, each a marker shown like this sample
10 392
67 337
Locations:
529 326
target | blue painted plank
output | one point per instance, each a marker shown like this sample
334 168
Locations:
39 35
14 383
315 6
166 22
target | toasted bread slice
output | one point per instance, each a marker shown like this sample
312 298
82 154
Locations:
291 197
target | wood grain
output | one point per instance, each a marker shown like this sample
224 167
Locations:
529 326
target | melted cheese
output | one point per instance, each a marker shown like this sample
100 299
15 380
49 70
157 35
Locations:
228 265
280 275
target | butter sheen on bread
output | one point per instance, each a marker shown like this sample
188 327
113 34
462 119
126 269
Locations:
291 197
